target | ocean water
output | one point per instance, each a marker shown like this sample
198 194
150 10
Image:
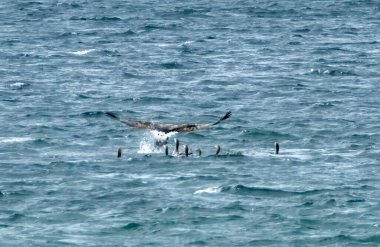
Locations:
305 74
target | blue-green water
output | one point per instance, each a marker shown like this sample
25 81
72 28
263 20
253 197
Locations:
305 74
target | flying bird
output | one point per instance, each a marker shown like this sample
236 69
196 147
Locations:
166 128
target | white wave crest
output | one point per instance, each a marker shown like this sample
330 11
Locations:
210 190
14 139
81 53
17 85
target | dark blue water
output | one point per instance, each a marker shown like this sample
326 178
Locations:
304 74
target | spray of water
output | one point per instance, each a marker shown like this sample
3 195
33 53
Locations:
153 141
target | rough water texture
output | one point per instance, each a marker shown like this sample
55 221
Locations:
305 74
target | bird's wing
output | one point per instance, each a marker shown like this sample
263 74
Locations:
169 127
191 127
137 124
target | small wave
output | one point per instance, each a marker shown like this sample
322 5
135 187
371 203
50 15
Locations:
67 34
129 75
323 105
241 189
83 52
231 154
16 216
267 133
260 191
15 139
164 45
111 53
69 5
287 153
371 239
332 72
333 239
126 33
294 43
302 30
73 241
107 175
356 200
152 99
154 26
131 99
209 190
192 11
198 243
131 226
172 65
92 113
207 177
103 18
106 18
18 85
77 18
151 26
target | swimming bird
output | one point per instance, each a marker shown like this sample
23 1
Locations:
176 149
277 147
166 150
187 151
176 152
166 128
119 152
217 149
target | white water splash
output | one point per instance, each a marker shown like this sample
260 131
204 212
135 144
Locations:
149 143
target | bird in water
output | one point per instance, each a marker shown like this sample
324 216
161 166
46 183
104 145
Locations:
176 152
187 151
176 149
217 150
277 147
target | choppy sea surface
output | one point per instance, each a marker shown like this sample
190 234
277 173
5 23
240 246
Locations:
305 74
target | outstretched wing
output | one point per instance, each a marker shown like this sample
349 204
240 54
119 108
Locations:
191 127
137 124
166 128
